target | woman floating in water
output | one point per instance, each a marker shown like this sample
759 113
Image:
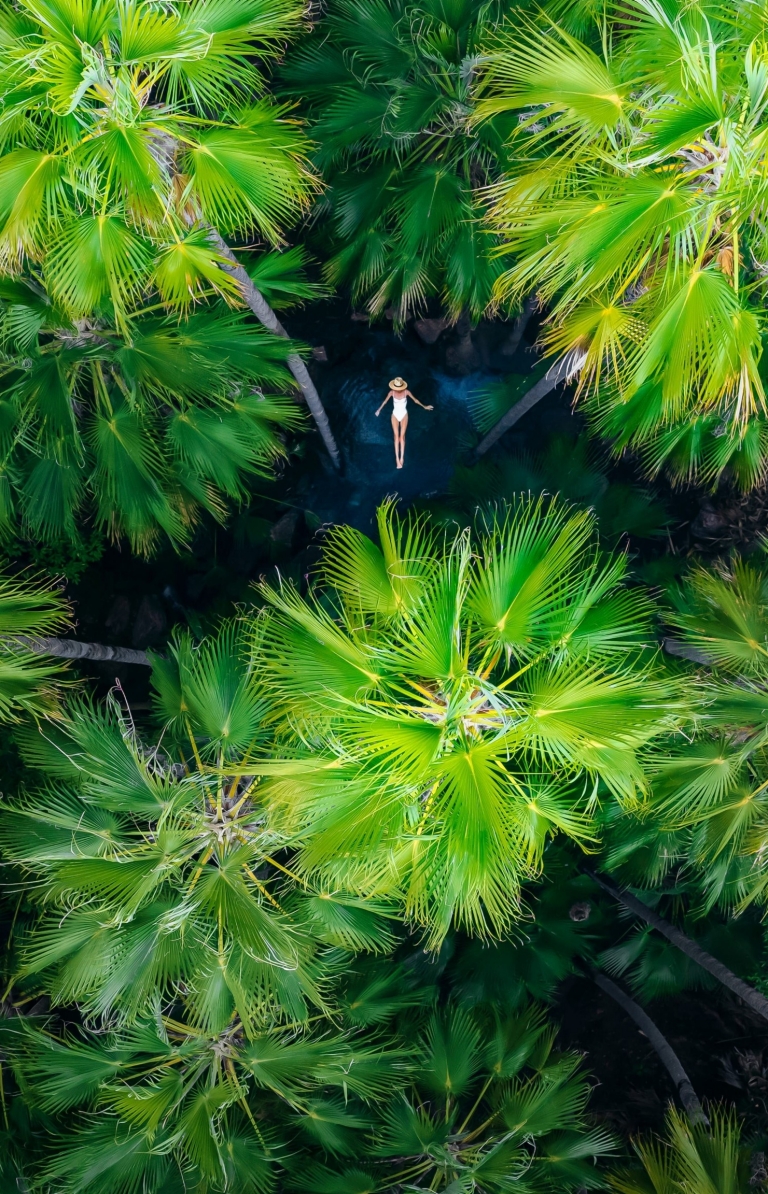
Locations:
399 393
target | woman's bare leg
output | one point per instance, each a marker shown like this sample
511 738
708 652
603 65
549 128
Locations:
403 426
395 431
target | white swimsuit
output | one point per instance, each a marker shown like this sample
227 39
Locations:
399 408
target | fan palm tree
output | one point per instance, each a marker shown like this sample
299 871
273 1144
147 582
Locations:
635 205
453 701
387 91
397 1089
155 867
709 794
141 431
166 1106
29 608
134 136
489 1108
691 1159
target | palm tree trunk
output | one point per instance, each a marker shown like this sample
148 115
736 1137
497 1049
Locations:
266 316
70 648
753 999
544 386
659 1042
511 345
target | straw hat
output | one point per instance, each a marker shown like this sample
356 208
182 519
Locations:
398 384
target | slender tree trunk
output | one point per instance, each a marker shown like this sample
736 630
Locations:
659 1042
510 347
266 316
753 999
544 386
70 648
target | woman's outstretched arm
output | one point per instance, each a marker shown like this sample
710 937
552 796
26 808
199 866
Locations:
384 403
415 399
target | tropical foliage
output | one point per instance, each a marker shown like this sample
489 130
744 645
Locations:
454 701
250 1013
139 432
703 1157
387 89
159 854
634 204
30 608
397 1088
129 133
291 908
708 807
113 163
242 1036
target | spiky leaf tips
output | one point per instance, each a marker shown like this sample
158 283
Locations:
387 90
452 701
709 791
399 1086
128 131
690 1157
141 432
29 608
159 855
635 206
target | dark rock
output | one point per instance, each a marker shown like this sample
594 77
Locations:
319 353
119 615
285 527
150 623
360 317
430 330
462 357
707 522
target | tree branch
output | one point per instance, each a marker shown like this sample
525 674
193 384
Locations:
543 387
660 1044
757 1002
510 346
70 648
266 316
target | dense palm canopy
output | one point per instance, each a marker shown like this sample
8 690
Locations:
129 132
708 807
453 701
635 204
161 857
139 431
399 1085
387 88
708 1159
289 920
127 129
30 607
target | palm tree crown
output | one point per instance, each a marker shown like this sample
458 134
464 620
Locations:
129 127
709 795
141 430
636 207
160 854
454 700
387 88
132 136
